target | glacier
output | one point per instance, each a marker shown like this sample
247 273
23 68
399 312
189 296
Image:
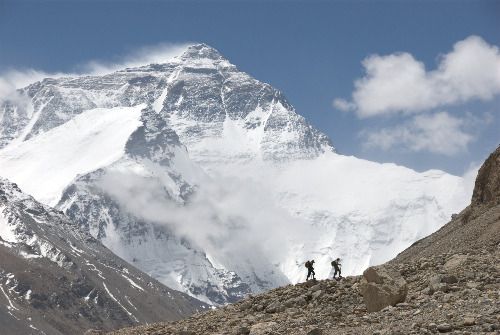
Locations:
209 180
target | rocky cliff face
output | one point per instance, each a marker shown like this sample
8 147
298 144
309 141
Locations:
55 279
487 187
477 226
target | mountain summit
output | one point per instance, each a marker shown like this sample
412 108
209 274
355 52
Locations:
209 180
202 51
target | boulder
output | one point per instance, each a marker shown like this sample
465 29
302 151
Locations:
469 321
382 287
436 284
242 330
317 294
315 331
455 261
444 328
245 305
449 279
275 307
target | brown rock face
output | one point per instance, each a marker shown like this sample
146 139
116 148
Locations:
382 287
487 187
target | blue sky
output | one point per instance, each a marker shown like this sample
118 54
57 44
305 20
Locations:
313 51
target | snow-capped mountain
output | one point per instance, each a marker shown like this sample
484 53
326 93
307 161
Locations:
208 179
56 279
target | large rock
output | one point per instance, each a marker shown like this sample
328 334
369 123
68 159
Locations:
381 287
455 262
436 283
487 187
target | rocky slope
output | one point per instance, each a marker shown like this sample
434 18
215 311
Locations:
55 279
208 179
477 226
452 280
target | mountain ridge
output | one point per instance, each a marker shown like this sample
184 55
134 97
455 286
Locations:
55 278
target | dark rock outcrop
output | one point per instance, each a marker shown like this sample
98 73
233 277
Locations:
487 187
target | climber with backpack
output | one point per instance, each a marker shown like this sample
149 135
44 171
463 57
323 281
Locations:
310 269
336 266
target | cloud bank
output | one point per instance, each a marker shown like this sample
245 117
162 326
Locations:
439 133
398 83
223 216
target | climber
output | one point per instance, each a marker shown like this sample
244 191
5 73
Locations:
336 266
310 269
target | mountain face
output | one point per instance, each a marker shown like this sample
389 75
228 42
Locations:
208 180
55 279
451 281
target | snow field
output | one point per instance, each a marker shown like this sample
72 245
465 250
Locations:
90 140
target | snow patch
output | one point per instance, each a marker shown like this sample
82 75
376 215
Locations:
130 303
94 268
79 252
6 229
87 298
11 306
27 296
27 255
158 103
90 140
123 307
133 283
33 119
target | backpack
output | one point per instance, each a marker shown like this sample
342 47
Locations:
308 264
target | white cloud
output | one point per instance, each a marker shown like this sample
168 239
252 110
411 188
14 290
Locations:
222 216
439 133
470 175
11 80
14 79
343 105
398 83
155 54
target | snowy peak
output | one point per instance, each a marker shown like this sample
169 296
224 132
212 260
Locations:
201 51
199 93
